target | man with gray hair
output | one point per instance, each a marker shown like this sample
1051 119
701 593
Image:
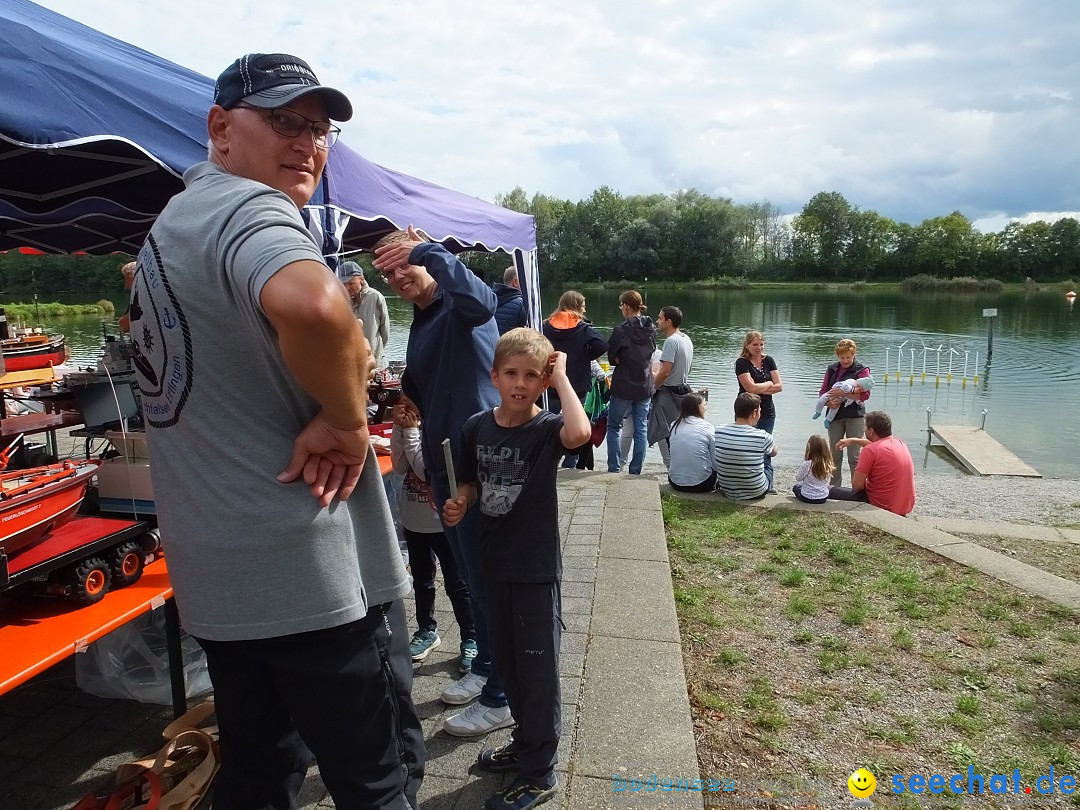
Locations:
254 372
510 307
369 305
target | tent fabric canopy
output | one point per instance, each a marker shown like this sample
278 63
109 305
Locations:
96 133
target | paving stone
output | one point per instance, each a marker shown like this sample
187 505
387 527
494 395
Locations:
572 643
577 590
576 605
634 600
624 726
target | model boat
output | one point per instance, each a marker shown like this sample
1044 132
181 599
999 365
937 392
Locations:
32 351
35 501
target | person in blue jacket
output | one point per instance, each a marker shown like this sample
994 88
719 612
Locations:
510 307
448 377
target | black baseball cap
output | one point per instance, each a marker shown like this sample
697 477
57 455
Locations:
271 80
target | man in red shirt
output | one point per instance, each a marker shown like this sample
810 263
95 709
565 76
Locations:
885 475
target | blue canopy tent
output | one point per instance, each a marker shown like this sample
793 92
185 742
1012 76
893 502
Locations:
95 135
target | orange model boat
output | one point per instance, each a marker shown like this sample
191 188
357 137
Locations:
33 502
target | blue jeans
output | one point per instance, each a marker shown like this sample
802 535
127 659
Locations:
464 539
618 408
767 423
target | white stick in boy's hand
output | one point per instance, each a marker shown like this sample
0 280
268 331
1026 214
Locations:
448 457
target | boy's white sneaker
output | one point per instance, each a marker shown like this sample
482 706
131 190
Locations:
465 690
478 719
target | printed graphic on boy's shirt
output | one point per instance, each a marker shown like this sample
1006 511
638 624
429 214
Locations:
501 473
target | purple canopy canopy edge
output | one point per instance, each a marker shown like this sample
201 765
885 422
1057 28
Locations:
95 133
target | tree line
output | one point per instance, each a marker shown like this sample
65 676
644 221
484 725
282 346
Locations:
60 274
689 236
692 237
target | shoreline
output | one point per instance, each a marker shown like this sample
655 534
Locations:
1005 499
997 498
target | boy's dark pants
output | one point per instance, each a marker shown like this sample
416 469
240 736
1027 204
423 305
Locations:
342 693
424 547
526 629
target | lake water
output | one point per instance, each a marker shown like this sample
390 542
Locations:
1030 388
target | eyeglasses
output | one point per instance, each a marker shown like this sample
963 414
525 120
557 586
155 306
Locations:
400 272
290 124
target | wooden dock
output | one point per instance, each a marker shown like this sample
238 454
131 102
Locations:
981 453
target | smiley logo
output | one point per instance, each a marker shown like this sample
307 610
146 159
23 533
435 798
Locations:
862 783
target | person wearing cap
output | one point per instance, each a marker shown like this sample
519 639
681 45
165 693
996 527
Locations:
369 305
253 372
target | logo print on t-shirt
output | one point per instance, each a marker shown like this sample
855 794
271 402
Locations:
501 473
161 340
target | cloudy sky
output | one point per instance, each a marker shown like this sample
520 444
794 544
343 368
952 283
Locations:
912 108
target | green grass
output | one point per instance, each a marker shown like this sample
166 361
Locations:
793 577
835 632
800 606
903 640
730 658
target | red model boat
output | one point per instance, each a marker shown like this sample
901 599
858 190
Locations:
33 502
32 351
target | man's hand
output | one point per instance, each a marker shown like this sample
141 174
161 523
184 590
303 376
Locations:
454 510
850 440
330 458
393 257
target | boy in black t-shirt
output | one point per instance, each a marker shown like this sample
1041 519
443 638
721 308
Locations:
508 466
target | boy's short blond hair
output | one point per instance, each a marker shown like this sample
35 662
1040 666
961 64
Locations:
845 345
527 342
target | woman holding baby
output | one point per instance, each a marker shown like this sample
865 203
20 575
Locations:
850 420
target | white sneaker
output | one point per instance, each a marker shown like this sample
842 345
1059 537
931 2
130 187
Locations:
465 690
478 719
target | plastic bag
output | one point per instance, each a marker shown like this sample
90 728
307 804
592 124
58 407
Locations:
132 662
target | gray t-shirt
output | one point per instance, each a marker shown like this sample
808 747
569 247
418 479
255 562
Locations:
679 351
248 557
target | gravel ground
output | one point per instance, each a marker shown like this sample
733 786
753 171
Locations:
1042 501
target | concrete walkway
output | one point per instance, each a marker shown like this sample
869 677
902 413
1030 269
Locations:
625 706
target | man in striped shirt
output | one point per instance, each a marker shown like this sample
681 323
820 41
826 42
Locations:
741 448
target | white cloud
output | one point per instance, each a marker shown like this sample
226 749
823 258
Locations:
913 109
995 223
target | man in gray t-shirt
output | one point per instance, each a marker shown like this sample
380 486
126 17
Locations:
676 358
253 373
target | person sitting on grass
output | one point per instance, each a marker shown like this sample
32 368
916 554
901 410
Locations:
692 448
885 474
741 447
426 541
812 477
507 470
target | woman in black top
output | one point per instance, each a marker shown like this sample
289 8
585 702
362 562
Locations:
757 374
